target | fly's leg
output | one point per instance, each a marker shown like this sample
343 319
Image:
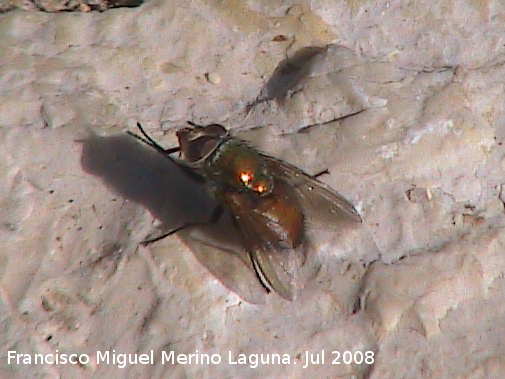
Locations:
320 173
214 219
149 141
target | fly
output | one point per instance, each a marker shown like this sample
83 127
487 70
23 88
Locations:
271 201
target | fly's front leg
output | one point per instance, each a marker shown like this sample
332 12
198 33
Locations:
149 141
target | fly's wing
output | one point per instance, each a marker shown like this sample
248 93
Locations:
332 225
273 274
316 197
275 262
219 248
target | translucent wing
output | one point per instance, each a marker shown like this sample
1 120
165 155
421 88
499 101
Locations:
276 271
316 197
273 232
221 250
263 224
332 224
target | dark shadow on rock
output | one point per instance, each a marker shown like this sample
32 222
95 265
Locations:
175 198
289 75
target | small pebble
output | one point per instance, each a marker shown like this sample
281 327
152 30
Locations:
213 77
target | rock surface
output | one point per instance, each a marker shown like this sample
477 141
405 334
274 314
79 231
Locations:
404 103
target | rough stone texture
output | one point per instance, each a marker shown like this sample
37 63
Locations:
66 5
403 102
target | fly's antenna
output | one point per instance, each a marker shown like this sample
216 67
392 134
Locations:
149 141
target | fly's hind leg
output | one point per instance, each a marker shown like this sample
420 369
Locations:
320 173
214 219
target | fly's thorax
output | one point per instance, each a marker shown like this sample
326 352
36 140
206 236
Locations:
198 143
238 166
277 217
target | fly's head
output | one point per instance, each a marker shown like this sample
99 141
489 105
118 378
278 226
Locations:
197 142
226 161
